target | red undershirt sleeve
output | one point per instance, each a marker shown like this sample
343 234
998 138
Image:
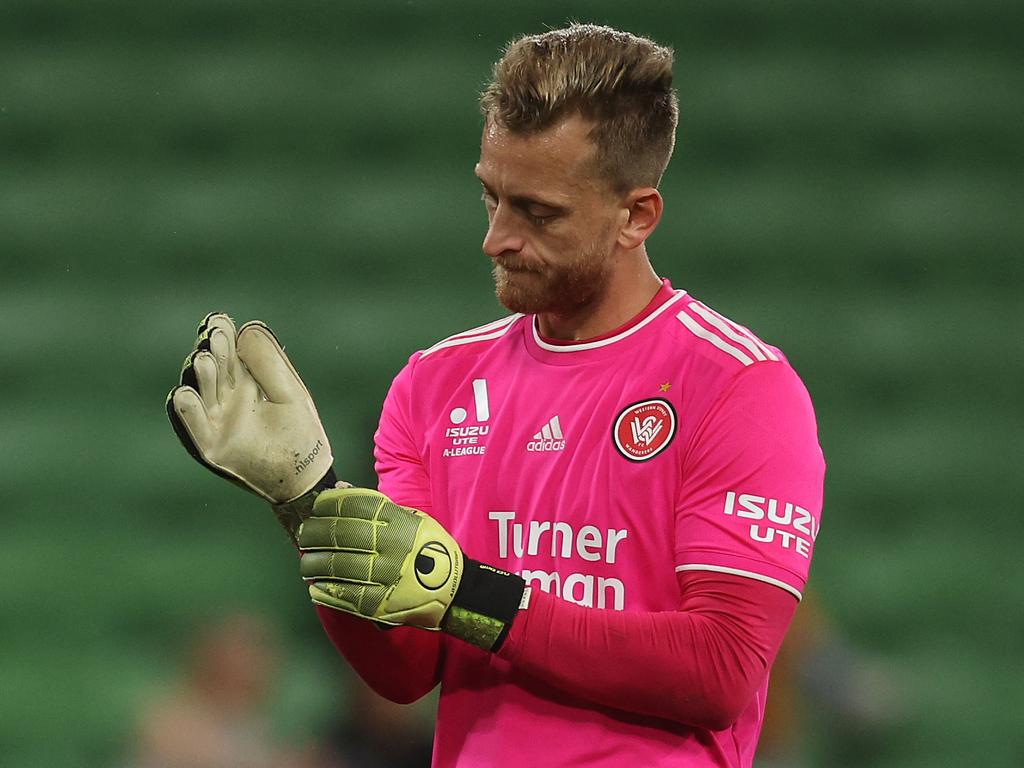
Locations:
401 664
700 665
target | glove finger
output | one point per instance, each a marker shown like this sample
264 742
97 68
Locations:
339 533
361 503
205 367
190 419
187 377
259 349
354 567
222 347
179 427
358 599
215 322
212 320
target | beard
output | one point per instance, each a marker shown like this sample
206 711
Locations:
558 289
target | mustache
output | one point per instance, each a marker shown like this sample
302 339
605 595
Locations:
515 264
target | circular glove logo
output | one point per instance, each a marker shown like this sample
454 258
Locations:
644 429
433 565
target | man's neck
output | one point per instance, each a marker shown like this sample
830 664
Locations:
628 291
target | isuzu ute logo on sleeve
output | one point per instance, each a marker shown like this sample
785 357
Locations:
644 429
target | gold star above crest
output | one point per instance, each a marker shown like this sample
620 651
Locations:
666 386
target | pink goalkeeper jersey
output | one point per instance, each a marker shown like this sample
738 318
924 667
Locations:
597 471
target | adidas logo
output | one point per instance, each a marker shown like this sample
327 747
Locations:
549 438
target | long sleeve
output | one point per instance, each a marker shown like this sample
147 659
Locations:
699 665
401 664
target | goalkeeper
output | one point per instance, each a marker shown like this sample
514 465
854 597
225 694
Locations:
594 518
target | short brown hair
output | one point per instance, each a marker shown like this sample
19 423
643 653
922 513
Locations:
621 82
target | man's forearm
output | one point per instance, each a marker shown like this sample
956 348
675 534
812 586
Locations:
699 666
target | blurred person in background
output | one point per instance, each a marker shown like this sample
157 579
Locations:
820 679
213 718
377 733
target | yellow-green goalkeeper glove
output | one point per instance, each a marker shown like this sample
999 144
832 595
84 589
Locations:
242 411
366 555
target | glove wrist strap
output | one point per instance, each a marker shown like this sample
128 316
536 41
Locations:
482 611
291 514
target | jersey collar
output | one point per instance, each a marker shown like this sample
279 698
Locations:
665 298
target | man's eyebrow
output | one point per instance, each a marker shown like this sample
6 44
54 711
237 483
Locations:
523 201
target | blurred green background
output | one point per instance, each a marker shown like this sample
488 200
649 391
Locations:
847 182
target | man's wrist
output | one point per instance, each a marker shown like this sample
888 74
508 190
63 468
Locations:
485 605
291 514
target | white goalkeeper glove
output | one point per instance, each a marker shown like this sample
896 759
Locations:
242 412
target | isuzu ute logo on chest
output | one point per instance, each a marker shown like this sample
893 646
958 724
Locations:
644 429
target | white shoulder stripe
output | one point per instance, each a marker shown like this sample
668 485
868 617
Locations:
723 325
764 347
748 574
743 329
483 333
701 332
500 322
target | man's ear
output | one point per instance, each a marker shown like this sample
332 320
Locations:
644 206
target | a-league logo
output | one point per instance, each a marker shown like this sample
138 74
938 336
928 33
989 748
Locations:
643 430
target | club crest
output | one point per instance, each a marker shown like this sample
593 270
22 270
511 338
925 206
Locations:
644 429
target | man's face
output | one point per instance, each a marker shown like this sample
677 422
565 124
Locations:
552 222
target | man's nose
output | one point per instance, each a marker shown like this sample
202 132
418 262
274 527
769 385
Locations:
502 233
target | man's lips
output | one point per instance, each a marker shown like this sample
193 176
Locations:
514 267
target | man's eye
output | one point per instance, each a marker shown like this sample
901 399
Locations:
540 217
488 199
